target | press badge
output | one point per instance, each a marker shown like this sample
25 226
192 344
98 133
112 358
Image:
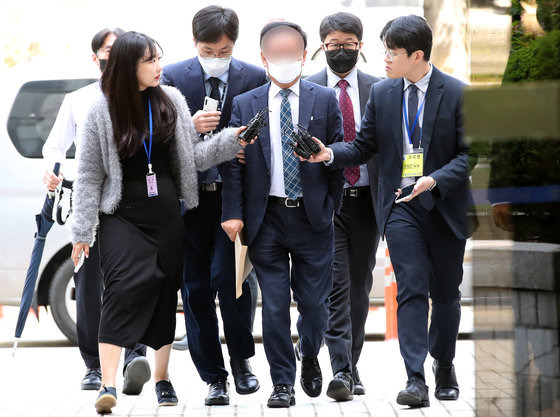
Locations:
151 182
413 164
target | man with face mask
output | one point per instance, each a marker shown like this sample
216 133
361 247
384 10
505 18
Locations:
88 280
355 232
285 208
209 265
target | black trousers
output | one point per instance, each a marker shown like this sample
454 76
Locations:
209 270
89 290
428 261
286 235
355 241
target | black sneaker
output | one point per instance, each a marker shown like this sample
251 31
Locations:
136 374
341 388
359 388
166 394
107 400
92 379
283 396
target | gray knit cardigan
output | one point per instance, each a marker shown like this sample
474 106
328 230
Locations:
98 184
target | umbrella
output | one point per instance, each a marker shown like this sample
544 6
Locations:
44 223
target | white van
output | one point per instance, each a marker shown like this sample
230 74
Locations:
28 111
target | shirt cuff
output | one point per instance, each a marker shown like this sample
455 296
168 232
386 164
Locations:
330 161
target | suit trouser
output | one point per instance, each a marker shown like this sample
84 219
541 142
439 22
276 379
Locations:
210 270
89 291
428 261
355 241
286 235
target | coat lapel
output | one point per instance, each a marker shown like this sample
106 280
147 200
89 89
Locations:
259 102
306 103
236 82
194 82
364 88
394 106
434 95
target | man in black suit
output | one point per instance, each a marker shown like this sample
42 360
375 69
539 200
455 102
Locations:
285 208
413 121
355 231
209 254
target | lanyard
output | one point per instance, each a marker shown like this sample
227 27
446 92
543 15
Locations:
149 153
408 129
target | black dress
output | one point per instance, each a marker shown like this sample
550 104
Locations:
141 256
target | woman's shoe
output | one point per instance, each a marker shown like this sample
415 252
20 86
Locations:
166 394
107 400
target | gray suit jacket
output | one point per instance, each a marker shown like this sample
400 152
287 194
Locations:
365 81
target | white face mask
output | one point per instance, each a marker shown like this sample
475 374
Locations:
285 71
214 67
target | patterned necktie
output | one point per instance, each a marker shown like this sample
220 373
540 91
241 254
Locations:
212 175
292 184
412 111
352 174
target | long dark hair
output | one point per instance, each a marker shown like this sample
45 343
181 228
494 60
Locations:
127 106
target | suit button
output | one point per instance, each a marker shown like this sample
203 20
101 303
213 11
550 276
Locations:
265 197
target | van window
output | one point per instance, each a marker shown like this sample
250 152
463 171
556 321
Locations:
34 112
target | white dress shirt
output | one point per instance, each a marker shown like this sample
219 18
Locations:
67 128
277 167
354 94
421 92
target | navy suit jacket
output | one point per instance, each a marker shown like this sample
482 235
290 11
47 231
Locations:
365 81
247 187
446 156
188 77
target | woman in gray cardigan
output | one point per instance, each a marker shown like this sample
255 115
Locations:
140 155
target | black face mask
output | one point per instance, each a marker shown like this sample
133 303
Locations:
102 64
342 61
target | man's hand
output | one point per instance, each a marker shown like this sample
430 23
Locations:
206 121
232 228
323 155
240 155
51 180
77 250
502 216
423 184
242 142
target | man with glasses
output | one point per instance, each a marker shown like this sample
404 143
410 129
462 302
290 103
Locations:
66 130
355 232
214 76
413 121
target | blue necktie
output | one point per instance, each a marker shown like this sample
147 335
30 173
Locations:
292 184
212 175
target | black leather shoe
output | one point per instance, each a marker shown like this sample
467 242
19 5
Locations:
359 388
107 400
283 396
245 381
415 394
136 374
92 379
166 395
447 388
218 393
341 388
311 377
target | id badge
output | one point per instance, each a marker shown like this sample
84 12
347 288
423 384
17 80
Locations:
151 182
413 164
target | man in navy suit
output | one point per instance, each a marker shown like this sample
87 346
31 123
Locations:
355 231
413 122
285 208
209 254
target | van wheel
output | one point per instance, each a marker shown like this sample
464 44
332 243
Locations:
62 300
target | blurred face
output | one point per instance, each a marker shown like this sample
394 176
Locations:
283 55
398 64
103 52
221 49
148 71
